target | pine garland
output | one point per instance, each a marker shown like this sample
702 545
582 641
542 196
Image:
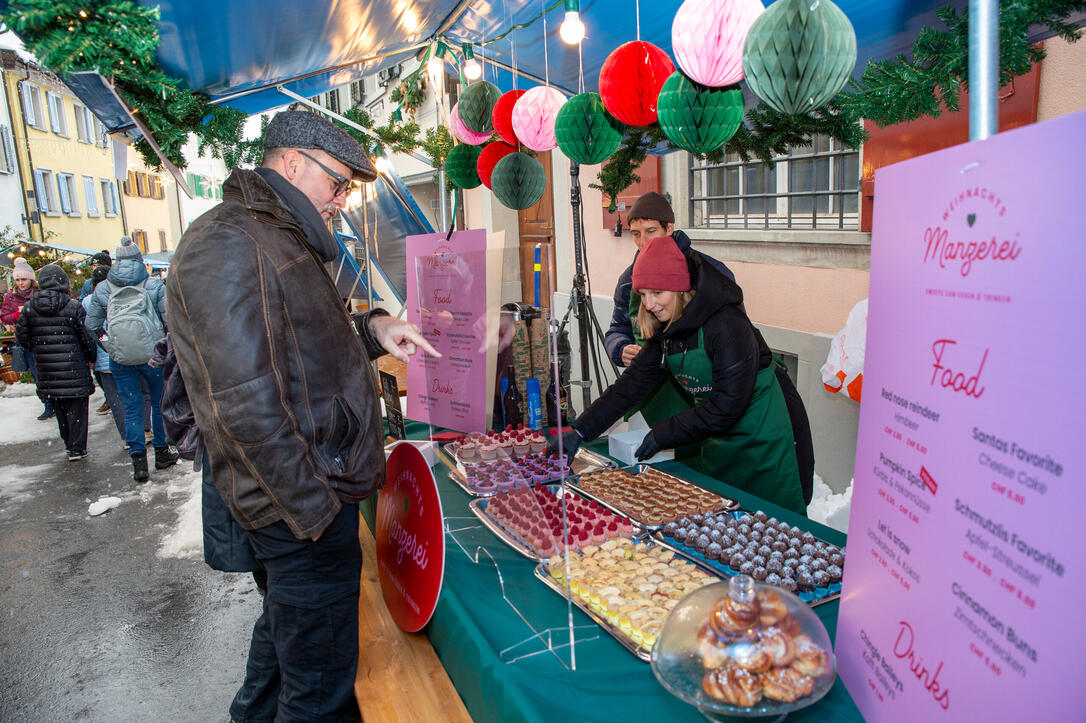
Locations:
893 91
118 39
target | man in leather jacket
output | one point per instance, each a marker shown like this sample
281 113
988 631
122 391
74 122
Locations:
277 375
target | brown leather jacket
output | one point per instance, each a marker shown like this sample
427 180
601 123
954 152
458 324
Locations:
276 373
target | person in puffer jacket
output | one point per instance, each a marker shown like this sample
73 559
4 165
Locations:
52 327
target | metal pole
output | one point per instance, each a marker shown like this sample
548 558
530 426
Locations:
442 197
983 69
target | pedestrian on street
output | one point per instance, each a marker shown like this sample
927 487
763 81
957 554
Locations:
102 374
278 376
133 305
25 285
100 260
52 327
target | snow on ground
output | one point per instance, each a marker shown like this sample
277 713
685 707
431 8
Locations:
186 539
828 508
20 482
19 408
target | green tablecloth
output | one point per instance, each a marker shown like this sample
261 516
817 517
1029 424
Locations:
473 624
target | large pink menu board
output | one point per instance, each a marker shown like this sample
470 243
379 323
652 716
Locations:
964 595
447 298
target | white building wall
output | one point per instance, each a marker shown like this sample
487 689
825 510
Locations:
204 176
12 210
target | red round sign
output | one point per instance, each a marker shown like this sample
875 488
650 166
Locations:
410 538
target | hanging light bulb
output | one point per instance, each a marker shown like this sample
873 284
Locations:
435 66
41 252
572 29
472 69
382 165
354 198
23 249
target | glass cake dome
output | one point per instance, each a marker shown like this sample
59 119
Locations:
742 648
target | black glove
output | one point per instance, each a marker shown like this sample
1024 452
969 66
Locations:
571 442
648 448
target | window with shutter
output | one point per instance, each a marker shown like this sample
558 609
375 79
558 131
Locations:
161 240
65 199
130 184
42 188
91 195
7 153
69 198
57 120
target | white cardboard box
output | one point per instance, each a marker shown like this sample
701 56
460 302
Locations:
623 445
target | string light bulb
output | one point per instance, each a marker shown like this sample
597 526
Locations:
472 69
572 29
435 66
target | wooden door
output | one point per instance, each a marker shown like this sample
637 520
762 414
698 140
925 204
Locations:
537 227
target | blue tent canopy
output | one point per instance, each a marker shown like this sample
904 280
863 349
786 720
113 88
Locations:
248 47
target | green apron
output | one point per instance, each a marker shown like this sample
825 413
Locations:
758 453
668 399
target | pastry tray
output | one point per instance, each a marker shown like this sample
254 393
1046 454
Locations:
729 504
818 596
622 638
478 507
585 461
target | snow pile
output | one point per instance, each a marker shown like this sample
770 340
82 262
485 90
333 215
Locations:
187 538
103 505
828 508
19 390
19 410
19 482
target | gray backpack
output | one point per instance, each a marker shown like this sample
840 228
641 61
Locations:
133 324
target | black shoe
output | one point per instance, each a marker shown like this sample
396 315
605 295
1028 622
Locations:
47 414
165 457
74 456
139 467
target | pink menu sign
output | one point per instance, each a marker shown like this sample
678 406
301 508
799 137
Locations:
447 299
964 596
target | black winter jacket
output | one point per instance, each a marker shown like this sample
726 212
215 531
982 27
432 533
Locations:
278 379
735 347
52 327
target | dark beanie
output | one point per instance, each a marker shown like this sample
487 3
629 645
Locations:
52 278
102 257
99 274
661 266
652 206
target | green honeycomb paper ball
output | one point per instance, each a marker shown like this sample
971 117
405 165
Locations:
799 54
697 118
476 103
518 181
586 132
462 166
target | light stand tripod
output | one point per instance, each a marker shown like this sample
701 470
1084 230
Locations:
588 326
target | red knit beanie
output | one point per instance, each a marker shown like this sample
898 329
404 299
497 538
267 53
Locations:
661 266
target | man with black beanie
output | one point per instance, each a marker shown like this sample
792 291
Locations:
650 216
99 260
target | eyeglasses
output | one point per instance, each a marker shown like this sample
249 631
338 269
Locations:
342 184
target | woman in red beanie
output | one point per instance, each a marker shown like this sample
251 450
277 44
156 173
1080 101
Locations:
696 331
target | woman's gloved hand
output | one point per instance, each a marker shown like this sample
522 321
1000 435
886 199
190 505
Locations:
571 442
649 447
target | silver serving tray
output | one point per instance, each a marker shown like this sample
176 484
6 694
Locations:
622 638
478 507
585 461
729 503
718 568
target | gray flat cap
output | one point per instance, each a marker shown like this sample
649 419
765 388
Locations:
302 129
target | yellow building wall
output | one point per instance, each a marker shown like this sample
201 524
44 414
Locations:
43 149
151 216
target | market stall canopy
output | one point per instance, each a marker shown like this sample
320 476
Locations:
238 51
